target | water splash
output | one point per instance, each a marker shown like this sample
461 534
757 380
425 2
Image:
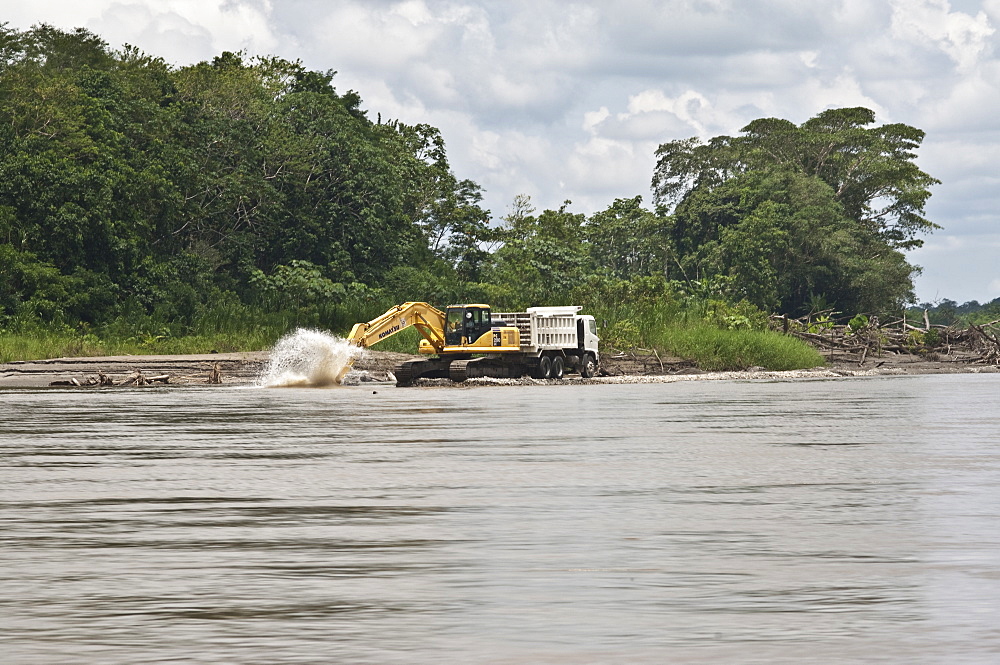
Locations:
307 358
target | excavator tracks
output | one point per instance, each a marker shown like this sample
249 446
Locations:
405 373
460 369
412 370
456 370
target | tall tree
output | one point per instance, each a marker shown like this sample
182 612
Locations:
870 169
543 257
784 239
626 240
793 212
446 208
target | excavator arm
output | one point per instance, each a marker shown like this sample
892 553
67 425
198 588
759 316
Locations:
428 320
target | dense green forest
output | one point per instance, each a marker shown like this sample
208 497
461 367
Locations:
230 201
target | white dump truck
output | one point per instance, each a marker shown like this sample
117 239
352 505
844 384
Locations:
555 340
471 341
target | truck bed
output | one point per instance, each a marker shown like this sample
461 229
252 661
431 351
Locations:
552 328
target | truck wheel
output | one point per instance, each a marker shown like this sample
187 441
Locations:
544 367
588 368
558 368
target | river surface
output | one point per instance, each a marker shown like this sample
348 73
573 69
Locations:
807 521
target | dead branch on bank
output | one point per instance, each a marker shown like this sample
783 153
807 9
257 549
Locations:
976 344
637 360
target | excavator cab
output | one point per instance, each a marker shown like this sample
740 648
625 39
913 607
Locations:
464 324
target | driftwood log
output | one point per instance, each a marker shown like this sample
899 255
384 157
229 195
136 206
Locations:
138 379
104 380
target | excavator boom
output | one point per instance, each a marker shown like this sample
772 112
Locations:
428 320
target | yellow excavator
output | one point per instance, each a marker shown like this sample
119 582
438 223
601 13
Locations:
470 340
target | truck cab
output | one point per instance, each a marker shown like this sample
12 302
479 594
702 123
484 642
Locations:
586 333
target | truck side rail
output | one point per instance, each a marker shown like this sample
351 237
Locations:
544 327
521 321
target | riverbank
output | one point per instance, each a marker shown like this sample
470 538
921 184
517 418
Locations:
244 368
241 368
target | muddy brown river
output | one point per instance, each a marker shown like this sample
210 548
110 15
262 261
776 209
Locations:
851 520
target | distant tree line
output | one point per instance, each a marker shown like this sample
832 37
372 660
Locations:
949 312
129 187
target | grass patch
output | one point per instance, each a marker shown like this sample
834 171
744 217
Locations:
41 345
718 338
46 344
222 330
233 326
227 328
716 349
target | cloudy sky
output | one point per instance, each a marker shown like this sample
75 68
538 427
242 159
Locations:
568 100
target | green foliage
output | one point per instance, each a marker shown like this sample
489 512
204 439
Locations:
147 208
739 316
299 284
915 340
788 211
870 171
623 333
932 338
820 324
782 237
948 312
544 257
695 322
159 191
626 240
858 323
734 339
31 289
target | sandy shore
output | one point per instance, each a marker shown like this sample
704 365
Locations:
244 368
240 368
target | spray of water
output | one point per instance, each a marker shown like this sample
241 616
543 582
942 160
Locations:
307 358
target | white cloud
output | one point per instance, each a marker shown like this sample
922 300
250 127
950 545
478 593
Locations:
404 34
959 268
690 107
967 104
842 89
962 37
56 12
592 119
964 158
182 31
